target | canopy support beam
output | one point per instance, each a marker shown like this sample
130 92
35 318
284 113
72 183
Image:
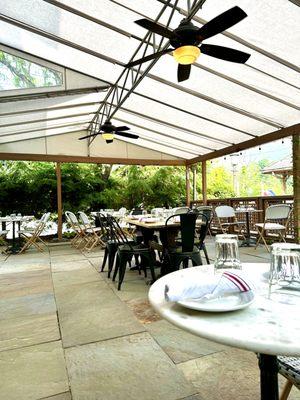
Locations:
204 183
59 201
187 186
195 194
259 140
296 175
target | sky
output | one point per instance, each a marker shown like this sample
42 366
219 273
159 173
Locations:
271 151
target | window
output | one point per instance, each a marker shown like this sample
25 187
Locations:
19 73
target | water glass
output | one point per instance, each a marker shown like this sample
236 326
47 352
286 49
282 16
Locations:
227 252
285 266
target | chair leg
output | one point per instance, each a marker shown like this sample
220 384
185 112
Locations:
117 266
104 260
196 259
259 238
122 269
286 390
205 253
111 261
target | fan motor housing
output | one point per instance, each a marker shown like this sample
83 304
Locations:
185 35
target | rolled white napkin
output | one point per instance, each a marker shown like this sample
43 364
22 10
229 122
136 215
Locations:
229 283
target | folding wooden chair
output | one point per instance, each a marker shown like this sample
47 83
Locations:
32 236
276 220
94 234
80 235
224 214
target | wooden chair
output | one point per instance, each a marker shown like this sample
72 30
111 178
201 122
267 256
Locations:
276 220
93 234
289 367
226 218
32 236
80 235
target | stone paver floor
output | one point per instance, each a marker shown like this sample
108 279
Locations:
67 333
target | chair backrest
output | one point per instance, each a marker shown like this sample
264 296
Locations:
116 232
122 211
224 212
84 218
181 210
205 222
136 211
206 210
71 217
278 211
187 229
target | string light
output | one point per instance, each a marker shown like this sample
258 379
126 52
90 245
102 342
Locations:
259 148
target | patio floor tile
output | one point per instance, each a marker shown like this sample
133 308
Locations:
83 274
15 307
141 371
180 345
34 329
25 283
33 372
91 312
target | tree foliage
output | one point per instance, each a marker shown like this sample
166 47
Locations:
30 187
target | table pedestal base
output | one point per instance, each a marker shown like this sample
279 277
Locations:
268 377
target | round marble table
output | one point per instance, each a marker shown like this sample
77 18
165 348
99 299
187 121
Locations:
269 327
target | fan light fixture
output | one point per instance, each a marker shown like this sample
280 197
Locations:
108 136
186 54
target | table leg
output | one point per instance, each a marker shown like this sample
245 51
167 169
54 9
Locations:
268 377
247 241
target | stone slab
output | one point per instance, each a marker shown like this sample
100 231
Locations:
27 331
66 266
15 307
91 312
75 276
16 267
33 372
233 374
25 283
180 345
67 257
132 367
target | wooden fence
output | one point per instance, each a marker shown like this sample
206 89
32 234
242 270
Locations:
258 203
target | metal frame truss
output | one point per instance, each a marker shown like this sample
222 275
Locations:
131 77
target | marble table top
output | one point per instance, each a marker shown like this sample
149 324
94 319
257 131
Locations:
268 326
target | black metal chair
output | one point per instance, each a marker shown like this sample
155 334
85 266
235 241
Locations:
183 249
111 246
126 250
205 214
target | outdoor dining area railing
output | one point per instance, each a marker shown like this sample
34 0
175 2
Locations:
254 203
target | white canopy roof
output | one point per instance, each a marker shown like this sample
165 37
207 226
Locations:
222 103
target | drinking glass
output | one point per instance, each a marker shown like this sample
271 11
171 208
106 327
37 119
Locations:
285 266
227 252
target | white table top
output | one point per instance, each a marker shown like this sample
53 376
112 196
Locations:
266 326
17 218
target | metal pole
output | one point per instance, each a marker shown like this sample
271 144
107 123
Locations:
59 201
204 183
188 186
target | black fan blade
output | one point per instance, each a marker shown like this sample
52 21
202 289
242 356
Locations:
221 23
148 58
183 72
224 53
85 137
122 128
127 134
155 28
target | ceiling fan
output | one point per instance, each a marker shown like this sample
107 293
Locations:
108 131
186 41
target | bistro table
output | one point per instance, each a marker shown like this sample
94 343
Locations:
18 219
269 327
247 211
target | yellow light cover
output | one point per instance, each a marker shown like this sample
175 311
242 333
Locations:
108 136
186 54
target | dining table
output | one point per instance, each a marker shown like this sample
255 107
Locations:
16 221
268 326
